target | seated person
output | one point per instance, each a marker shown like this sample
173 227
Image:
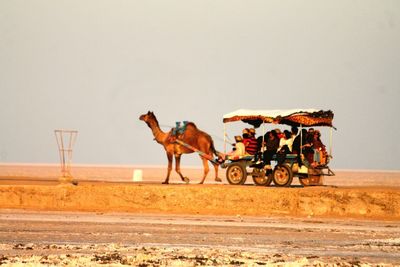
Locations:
294 132
320 154
245 134
285 146
278 133
250 141
261 147
286 143
238 151
271 140
298 143
314 150
299 140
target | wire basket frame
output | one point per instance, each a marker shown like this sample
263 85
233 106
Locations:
65 142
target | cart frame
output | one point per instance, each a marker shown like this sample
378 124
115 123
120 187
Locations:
282 174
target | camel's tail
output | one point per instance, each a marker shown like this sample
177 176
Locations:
216 153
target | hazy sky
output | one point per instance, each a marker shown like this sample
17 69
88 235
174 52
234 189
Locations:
95 66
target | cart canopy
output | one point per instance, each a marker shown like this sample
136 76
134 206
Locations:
292 117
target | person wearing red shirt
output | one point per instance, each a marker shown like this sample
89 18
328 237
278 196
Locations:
250 141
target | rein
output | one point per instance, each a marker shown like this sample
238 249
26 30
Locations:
212 135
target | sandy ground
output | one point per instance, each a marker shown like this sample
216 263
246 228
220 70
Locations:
82 239
156 174
357 194
351 221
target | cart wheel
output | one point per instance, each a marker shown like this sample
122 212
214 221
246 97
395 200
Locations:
282 175
236 174
261 178
315 177
311 180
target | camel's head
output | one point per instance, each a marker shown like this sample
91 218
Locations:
149 116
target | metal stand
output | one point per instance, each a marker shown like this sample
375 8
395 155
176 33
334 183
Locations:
65 141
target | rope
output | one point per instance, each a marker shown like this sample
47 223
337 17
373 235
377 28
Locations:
229 141
166 126
212 135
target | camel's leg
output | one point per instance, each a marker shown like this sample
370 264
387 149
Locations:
178 168
206 169
217 179
169 156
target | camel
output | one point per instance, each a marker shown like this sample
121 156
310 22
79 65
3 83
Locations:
192 136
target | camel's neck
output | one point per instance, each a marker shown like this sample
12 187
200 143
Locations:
158 134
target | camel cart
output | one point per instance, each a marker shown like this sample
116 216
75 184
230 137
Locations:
294 165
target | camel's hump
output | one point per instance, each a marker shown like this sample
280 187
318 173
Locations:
191 124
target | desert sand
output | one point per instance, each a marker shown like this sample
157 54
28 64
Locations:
366 200
352 194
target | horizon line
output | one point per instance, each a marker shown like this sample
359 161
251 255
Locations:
151 166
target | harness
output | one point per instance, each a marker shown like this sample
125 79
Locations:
179 129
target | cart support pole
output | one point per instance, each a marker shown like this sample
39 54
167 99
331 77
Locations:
330 142
224 138
201 153
263 134
301 138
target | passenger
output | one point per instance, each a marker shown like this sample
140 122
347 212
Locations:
245 133
286 143
238 151
250 142
314 150
262 142
278 133
299 140
319 149
294 130
261 147
310 135
271 146
307 149
246 136
285 147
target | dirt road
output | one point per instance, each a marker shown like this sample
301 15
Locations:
153 240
